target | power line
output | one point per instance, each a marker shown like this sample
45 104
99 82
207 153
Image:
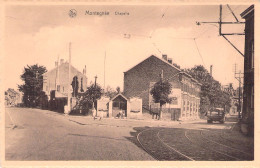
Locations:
156 47
151 35
199 51
207 31
226 15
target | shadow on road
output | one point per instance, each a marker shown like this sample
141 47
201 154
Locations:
134 134
92 136
203 136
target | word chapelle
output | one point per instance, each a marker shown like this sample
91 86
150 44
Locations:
101 13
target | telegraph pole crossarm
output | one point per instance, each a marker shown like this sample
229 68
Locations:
233 45
199 23
220 27
232 13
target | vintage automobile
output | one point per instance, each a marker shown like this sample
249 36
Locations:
216 114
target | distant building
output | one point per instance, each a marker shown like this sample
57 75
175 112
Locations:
12 97
248 95
234 96
57 79
139 80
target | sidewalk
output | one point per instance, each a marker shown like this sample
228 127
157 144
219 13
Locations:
126 122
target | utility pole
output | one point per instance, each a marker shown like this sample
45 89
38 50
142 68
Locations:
105 72
239 77
220 18
57 75
160 114
69 105
96 81
211 66
56 78
239 96
95 93
220 22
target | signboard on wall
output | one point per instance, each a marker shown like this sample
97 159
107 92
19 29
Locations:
176 98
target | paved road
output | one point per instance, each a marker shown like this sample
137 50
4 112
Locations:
197 142
46 135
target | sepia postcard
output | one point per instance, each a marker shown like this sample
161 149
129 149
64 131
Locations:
129 84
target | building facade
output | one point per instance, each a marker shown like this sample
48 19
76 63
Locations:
57 79
139 80
248 95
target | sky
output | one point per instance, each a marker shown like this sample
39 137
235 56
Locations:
41 35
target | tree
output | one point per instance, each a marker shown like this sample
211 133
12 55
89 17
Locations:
33 83
110 92
211 94
160 92
91 95
75 86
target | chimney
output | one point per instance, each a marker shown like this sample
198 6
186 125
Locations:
61 61
170 60
211 70
164 56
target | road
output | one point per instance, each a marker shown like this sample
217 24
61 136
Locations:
34 134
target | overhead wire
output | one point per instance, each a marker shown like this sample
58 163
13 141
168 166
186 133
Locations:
162 16
209 28
199 52
207 31
151 34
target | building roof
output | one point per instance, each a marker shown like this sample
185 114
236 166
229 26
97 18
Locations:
166 62
54 69
156 58
247 11
119 94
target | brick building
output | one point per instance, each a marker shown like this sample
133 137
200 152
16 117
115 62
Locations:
57 79
139 80
248 95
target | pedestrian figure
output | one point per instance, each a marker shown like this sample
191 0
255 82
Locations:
93 112
100 115
120 113
123 114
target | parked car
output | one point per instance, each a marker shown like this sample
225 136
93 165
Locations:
216 114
